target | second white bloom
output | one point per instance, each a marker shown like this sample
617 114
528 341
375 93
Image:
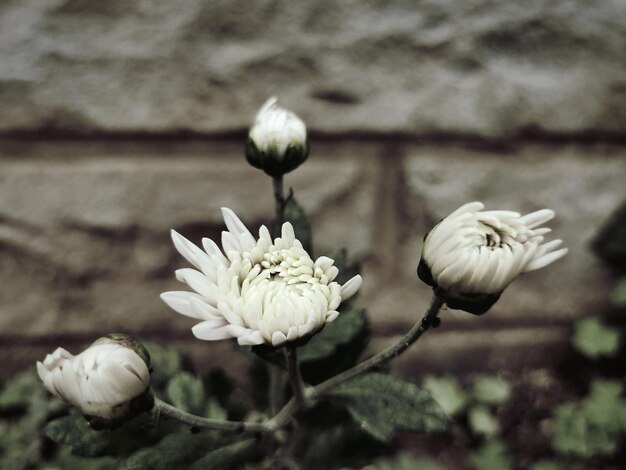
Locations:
259 290
472 255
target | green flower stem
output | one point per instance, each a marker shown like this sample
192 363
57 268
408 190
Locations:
279 199
295 376
275 387
162 408
275 374
413 335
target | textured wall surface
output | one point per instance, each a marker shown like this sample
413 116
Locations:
120 120
479 67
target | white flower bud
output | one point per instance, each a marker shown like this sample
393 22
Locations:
471 256
102 381
259 291
277 143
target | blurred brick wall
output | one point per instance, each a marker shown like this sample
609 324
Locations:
119 122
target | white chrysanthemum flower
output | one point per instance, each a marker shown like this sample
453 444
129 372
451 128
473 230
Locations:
277 142
262 291
99 381
471 256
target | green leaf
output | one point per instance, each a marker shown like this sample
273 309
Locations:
73 430
491 456
381 404
605 407
618 296
448 393
229 456
549 465
491 390
335 441
186 392
406 461
64 459
166 362
482 422
346 270
342 331
24 407
576 435
295 214
214 410
176 450
593 339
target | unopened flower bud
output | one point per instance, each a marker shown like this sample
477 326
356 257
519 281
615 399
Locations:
471 256
109 381
277 143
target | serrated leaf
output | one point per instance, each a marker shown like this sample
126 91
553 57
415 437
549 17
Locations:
491 390
593 339
176 450
227 457
186 392
381 404
482 422
491 456
448 393
295 214
340 332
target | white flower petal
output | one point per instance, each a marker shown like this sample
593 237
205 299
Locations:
180 301
200 283
547 259
351 287
207 331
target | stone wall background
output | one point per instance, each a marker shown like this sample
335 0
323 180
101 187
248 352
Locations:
120 120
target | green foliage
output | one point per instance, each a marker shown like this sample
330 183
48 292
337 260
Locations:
295 214
346 270
491 456
595 426
24 409
406 461
593 339
547 465
341 332
334 440
74 431
186 392
381 404
176 450
491 390
227 457
448 393
618 296
166 362
482 421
